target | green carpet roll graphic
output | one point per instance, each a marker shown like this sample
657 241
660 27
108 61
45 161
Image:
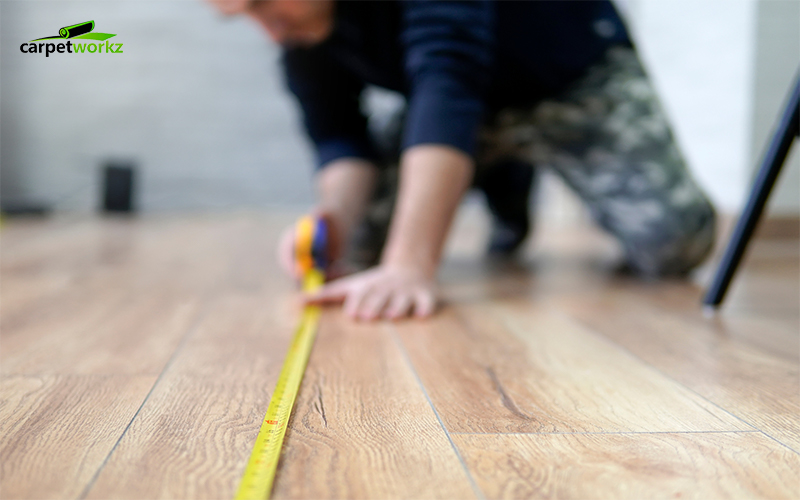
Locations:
76 29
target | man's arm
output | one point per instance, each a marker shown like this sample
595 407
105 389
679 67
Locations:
433 179
449 49
329 97
344 188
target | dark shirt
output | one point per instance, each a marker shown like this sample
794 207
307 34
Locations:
456 63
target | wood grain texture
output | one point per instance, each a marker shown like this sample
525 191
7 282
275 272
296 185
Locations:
128 299
775 334
745 465
750 367
766 283
55 431
131 335
362 426
105 298
123 291
520 367
194 434
96 312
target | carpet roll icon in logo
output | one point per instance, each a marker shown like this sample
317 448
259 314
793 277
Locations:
81 31
78 29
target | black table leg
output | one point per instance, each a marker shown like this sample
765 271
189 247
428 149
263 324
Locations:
787 129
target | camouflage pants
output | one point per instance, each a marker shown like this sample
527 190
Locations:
607 137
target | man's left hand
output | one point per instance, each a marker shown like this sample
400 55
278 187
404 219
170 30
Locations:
387 292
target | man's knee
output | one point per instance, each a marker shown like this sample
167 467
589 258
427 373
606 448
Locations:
683 241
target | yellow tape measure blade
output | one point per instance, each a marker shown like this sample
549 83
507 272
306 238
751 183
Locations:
259 474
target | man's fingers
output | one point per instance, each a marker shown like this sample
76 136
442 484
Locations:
378 294
353 301
399 306
424 304
373 304
334 292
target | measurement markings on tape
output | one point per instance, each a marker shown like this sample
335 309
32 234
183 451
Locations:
259 474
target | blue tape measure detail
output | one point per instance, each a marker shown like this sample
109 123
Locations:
319 246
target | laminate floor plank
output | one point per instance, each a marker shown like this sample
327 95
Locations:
28 236
83 303
553 375
717 358
111 323
363 427
767 281
515 366
775 334
745 465
112 336
121 290
56 430
184 254
193 436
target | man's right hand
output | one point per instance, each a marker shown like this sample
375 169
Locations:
288 239
345 187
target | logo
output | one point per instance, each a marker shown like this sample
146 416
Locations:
82 31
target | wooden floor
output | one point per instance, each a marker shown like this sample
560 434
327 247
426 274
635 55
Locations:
138 357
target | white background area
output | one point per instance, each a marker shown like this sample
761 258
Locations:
197 101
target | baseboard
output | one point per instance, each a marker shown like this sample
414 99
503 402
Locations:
768 228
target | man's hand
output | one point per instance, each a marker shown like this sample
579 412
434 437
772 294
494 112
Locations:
287 242
381 292
432 180
344 187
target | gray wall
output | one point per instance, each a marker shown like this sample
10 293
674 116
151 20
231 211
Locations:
196 100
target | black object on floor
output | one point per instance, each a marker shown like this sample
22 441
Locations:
787 129
118 187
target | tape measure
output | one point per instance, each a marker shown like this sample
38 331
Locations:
310 251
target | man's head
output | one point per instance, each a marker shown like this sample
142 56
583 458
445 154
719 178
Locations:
288 22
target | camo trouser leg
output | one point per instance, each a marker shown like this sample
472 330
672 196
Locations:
609 139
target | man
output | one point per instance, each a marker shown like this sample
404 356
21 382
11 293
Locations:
492 88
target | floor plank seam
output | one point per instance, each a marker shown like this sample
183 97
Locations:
650 366
779 442
478 492
189 331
